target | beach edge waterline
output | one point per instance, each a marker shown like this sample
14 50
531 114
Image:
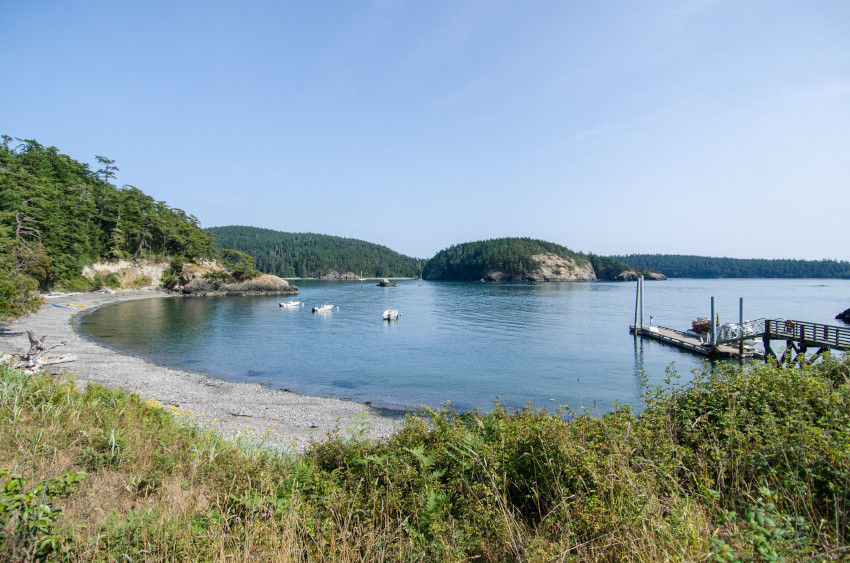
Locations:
233 409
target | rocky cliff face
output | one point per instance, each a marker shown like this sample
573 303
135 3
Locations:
136 275
553 268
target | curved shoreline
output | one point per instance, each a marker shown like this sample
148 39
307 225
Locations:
234 410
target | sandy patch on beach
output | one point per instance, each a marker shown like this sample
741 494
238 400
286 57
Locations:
237 410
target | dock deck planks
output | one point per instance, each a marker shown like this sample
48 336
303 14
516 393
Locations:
689 342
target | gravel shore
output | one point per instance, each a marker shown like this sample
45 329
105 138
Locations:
235 410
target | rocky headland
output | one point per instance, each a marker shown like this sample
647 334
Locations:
552 268
264 284
207 278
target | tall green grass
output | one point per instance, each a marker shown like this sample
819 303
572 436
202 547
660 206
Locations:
739 464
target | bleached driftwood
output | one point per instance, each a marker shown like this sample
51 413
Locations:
57 360
37 349
35 358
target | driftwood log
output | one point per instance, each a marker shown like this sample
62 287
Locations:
37 349
35 358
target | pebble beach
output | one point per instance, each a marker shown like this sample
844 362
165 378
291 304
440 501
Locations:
243 411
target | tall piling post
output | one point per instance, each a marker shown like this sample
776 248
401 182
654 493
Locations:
713 328
641 302
637 304
741 325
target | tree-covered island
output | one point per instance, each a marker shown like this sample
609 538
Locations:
64 226
743 463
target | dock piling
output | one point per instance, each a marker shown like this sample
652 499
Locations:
713 333
637 302
741 324
640 281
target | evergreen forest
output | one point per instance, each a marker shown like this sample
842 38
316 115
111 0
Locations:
58 216
309 255
474 260
685 266
608 268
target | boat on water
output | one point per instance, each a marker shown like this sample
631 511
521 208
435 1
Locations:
322 308
391 315
289 303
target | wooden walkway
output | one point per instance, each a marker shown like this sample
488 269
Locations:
691 343
799 337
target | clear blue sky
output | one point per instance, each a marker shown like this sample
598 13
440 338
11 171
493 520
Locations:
705 127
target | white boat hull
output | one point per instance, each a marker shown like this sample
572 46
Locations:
391 315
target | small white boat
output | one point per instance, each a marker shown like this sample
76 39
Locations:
322 308
391 315
289 303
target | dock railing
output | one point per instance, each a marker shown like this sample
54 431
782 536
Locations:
734 332
812 334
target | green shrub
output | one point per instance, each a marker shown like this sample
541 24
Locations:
28 516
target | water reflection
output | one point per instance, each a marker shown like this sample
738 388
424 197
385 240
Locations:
468 343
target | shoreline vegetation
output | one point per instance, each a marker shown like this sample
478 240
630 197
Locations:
111 457
741 463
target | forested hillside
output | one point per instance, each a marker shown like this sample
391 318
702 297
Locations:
475 260
57 216
685 266
608 268
309 255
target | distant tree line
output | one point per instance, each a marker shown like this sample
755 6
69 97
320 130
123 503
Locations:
57 216
687 266
608 268
309 255
474 260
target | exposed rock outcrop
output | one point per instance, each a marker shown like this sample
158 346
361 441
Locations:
630 275
146 274
334 275
845 316
264 284
553 268
130 274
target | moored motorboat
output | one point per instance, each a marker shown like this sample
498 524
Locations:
322 308
391 315
289 303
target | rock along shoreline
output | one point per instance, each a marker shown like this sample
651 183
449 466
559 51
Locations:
234 410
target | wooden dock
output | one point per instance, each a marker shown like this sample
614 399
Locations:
727 341
691 343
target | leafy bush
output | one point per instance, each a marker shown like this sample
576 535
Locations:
742 463
28 517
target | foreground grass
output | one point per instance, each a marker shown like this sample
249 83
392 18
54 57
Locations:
740 464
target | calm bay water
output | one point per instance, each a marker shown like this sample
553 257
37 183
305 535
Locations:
468 343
